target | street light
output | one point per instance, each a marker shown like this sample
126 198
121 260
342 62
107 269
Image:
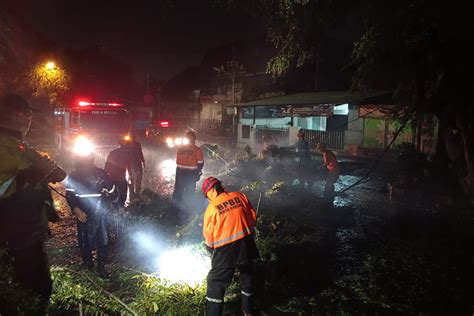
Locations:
47 79
50 65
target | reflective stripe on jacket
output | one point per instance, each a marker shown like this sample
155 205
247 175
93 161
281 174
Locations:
228 218
190 157
84 188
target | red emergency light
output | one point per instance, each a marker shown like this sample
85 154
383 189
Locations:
164 123
85 103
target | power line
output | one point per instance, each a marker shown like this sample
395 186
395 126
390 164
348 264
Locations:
377 160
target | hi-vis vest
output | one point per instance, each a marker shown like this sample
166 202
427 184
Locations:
331 161
189 157
228 218
12 161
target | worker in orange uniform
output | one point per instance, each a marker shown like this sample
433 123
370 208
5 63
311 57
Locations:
330 162
229 225
189 164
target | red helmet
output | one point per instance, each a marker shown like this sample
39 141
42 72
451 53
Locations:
208 184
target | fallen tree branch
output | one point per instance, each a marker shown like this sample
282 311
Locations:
131 311
218 156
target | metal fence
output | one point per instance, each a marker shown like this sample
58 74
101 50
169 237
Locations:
332 139
272 135
206 126
213 131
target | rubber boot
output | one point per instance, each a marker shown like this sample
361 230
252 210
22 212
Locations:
87 262
214 309
101 261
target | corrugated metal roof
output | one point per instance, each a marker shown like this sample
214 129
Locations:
314 98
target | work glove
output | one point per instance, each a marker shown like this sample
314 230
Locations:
80 214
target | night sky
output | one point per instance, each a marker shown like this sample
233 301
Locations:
162 37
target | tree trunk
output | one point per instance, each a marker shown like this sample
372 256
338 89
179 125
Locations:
418 132
469 174
441 151
454 150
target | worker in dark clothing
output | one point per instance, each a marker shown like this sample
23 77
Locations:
303 159
332 166
228 229
89 192
457 166
116 166
137 164
26 206
189 164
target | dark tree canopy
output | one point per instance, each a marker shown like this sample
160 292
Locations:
422 49
296 28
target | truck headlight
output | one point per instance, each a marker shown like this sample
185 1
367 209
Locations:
83 146
169 142
185 141
178 141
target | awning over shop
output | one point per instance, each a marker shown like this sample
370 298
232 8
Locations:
316 98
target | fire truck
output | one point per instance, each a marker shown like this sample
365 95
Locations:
87 126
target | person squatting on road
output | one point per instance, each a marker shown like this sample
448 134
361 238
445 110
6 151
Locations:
137 164
189 164
330 162
116 166
303 160
89 192
228 229
26 206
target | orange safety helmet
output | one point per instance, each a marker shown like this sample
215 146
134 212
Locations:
208 184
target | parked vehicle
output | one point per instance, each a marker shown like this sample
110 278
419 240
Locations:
166 133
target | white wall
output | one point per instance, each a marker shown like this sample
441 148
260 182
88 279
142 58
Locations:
355 129
211 111
317 123
251 141
276 122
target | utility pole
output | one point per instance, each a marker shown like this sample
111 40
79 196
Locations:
233 74
234 64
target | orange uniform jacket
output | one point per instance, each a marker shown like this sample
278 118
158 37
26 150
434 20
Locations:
331 161
228 218
190 157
